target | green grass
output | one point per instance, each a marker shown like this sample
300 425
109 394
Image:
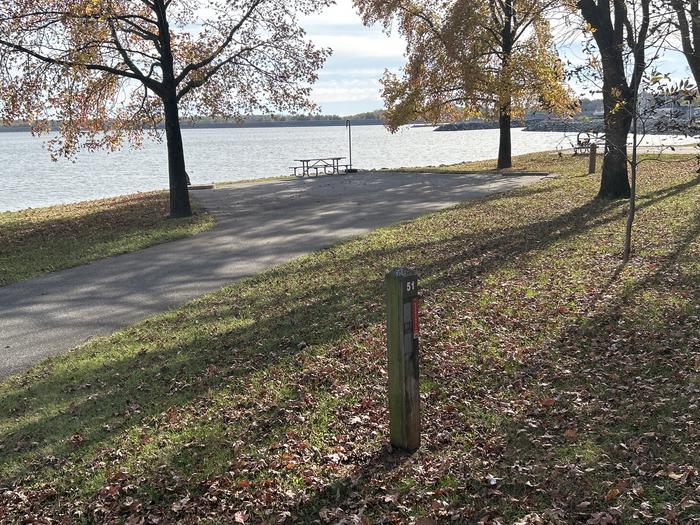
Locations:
557 387
42 240
227 183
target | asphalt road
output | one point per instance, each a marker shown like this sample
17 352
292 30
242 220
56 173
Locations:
259 226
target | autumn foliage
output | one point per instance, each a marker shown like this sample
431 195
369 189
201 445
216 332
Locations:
469 58
107 70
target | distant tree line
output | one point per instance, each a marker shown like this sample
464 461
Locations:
367 115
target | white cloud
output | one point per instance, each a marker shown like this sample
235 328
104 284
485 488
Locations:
353 73
342 12
369 46
349 91
360 56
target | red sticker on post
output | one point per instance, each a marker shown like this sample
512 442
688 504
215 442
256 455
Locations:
414 315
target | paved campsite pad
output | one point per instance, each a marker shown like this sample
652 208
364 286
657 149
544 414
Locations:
260 225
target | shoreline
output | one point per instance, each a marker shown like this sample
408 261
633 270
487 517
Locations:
589 124
684 149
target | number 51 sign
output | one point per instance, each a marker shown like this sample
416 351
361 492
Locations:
402 347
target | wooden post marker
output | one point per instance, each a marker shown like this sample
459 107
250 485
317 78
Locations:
402 345
592 158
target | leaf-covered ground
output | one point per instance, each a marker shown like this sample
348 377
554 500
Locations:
556 388
41 240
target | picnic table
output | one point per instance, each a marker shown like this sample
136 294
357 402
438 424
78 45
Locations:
584 141
327 165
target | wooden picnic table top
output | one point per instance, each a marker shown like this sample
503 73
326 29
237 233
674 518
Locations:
324 158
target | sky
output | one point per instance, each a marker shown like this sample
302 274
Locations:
349 82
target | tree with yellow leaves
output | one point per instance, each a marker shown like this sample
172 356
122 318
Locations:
470 57
107 69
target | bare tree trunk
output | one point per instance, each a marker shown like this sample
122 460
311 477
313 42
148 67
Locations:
617 101
688 24
694 63
177 173
614 182
627 253
610 37
505 156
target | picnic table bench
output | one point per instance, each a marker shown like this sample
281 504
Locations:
327 166
584 140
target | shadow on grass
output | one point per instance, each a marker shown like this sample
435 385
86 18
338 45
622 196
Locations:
125 212
34 244
169 369
621 383
123 382
120 382
621 410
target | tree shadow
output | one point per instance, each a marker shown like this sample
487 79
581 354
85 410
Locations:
95 398
128 212
186 359
107 388
331 500
619 381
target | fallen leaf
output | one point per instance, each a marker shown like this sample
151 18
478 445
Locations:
613 493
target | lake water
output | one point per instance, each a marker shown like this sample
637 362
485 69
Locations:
30 179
